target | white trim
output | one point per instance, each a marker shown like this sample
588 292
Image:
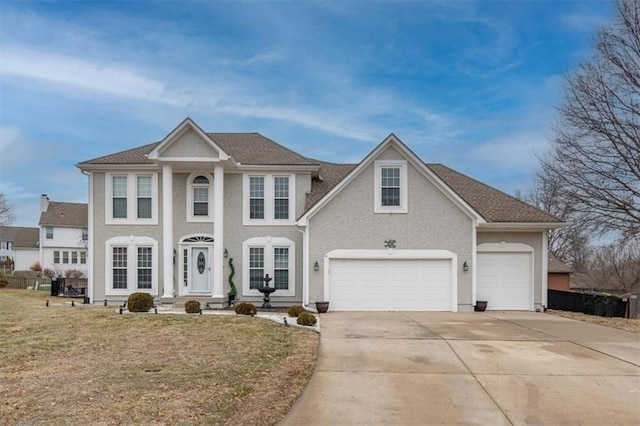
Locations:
269 243
132 197
175 134
90 242
268 200
190 186
183 290
505 247
474 262
391 254
131 243
519 226
167 231
218 231
377 186
545 270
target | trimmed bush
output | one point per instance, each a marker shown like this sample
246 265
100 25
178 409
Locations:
245 309
294 311
140 302
192 307
306 318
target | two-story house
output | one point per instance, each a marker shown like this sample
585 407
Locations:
7 235
389 233
63 237
27 248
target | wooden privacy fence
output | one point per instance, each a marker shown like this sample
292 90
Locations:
24 282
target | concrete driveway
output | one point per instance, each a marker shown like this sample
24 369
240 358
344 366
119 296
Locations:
470 368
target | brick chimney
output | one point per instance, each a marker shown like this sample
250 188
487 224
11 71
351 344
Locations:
44 203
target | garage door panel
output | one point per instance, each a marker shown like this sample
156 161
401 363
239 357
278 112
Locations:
505 280
390 285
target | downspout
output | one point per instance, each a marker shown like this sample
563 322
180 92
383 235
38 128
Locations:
305 267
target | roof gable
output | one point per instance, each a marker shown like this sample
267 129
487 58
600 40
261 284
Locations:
187 140
402 151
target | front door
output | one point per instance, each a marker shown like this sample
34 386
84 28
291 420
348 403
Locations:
200 270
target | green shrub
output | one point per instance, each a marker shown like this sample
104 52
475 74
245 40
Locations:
294 311
245 309
140 302
306 318
192 307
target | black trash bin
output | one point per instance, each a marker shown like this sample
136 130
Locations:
54 287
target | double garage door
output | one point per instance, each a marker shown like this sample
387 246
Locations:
390 285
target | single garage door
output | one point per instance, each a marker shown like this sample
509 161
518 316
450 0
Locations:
390 285
505 280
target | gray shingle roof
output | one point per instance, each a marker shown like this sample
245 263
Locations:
27 238
65 214
8 233
493 205
330 175
556 266
245 148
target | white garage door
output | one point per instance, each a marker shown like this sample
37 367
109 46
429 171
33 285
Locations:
390 285
505 280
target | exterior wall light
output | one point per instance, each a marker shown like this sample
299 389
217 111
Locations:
465 266
226 253
316 267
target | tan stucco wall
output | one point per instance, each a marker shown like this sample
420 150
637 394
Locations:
189 145
349 222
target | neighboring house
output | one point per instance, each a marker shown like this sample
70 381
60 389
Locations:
27 248
559 274
63 236
7 235
390 233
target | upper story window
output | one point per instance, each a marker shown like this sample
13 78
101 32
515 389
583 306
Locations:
48 230
85 234
390 186
200 197
131 198
269 199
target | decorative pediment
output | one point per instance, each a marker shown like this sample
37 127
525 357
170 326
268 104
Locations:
188 142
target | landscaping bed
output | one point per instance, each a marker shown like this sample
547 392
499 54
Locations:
87 365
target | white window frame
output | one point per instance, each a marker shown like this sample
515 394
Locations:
56 253
48 235
190 186
132 199
269 200
269 243
132 243
404 187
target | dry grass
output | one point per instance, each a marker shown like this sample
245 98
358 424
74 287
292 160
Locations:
632 325
87 365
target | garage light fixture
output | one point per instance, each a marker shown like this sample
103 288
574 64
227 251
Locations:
316 267
465 267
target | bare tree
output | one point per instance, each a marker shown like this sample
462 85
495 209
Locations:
595 155
570 244
6 211
617 266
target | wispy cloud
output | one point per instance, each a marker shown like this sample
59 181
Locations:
79 73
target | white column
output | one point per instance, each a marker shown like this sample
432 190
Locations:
218 231
167 230
545 269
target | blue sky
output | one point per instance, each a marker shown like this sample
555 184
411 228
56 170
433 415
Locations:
471 84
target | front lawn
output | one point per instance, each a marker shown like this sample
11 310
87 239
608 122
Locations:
87 365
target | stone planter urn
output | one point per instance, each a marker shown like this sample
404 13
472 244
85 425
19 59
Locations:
322 307
481 306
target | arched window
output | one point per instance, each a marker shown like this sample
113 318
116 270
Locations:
199 197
